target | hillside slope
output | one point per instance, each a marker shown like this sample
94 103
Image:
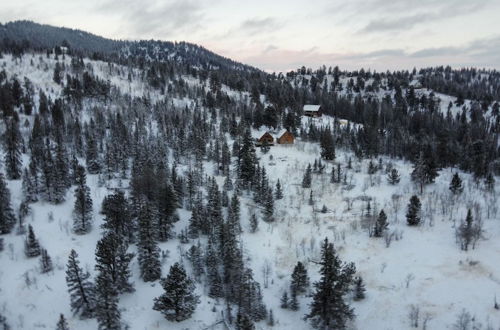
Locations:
181 142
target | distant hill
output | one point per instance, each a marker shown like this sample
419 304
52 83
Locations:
28 34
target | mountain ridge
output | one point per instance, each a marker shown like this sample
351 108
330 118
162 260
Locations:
44 36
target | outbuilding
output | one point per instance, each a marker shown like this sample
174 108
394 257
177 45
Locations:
312 110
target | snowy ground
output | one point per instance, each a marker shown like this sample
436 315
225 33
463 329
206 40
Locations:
424 268
445 279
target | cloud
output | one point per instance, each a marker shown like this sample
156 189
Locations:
253 27
269 49
380 16
480 52
402 23
259 25
485 52
377 54
149 18
436 51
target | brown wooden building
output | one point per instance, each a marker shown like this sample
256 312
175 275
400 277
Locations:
312 110
285 137
266 138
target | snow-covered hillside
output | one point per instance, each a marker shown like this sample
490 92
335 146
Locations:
413 268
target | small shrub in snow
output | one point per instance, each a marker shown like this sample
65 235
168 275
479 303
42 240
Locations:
359 288
62 324
469 232
414 316
284 301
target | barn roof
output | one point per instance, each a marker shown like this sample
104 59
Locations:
311 107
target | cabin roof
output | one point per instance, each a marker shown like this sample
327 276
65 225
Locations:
311 107
280 133
266 133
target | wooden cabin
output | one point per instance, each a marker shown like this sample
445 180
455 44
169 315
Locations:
312 110
266 138
285 137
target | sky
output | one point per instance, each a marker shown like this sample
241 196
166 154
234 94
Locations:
279 35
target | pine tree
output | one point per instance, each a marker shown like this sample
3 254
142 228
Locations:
31 245
246 159
179 301
380 225
215 289
113 261
284 301
359 289
233 216
244 322
29 186
489 182
148 251
57 76
268 215
214 217
167 205
393 177
249 296
48 178
418 174
195 256
254 223
7 217
270 321
13 144
413 212
456 185
106 309
195 220
62 324
468 232
425 169
306 181
45 262
80 289
372 169
92 155
327 145
294 302
300 279
82 212
3 323
329 309
228 184
333 178
117 219
278 194
62 180
232 262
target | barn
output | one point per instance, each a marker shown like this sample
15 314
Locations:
285 137
312 110
266 138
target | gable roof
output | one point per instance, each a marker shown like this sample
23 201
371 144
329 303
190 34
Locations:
280 133
311 107
266 133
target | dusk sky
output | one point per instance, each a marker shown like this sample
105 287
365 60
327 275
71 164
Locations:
283 35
